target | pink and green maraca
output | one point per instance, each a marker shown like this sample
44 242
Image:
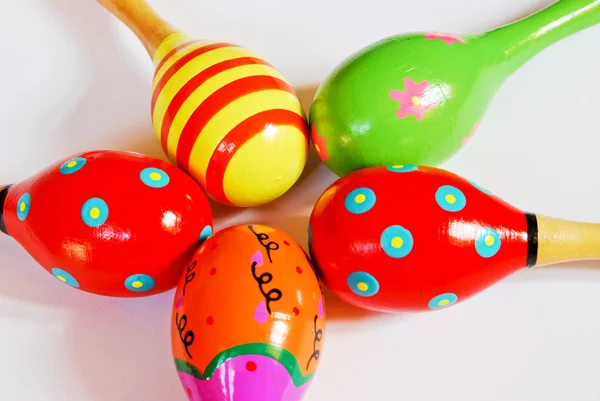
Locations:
418 98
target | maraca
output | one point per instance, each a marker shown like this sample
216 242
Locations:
222 113
109 222
418 98
411 238
248 318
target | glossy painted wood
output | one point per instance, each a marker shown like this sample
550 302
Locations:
248 319
222 113
419 97
415 238
109 222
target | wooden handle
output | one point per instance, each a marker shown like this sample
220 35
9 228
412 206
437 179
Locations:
512 45
149 27
565 241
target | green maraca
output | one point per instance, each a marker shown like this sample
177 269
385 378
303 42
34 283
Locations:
418 98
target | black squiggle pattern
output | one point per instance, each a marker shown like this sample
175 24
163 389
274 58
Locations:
318 337
187 338
263 238
190 274
272 295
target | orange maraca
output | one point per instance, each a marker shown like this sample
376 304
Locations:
222 113
249 318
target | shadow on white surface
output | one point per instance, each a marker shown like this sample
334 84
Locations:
121 350
114 349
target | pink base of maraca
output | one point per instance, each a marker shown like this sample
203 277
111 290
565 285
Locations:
257 378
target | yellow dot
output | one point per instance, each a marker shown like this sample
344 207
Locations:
71 164
397 242
317 148
398 166
489 240
22 206
416 100
450 199
443 302
137 284
360 198
362 286
95 213
61 278
154 176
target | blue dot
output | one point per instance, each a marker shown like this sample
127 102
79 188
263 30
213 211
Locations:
450 198
479 187
396 241
443 300
23 206
360 200
154 177
139 283
402 168
363 284
487 242
73 165
206 232
65 277
94 212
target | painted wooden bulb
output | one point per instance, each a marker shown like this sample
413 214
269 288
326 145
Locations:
420 97
248 319
109 222
222 113
410 238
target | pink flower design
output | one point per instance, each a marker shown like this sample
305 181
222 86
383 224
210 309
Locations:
467 139
414 100
446 37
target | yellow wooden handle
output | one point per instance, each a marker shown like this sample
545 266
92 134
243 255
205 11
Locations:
150 28
565 241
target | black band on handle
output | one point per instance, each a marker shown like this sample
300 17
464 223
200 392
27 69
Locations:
532 239
3 194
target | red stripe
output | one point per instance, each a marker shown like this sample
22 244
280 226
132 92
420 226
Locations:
237 137
194 84
217 101
178 65
172 52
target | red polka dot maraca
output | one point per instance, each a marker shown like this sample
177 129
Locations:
414 238
109 222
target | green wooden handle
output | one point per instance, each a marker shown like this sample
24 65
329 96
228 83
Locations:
514 44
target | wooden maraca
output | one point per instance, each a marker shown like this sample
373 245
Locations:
109 222
411 238
222 113
249 319
418 98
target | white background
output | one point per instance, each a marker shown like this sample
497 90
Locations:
72 79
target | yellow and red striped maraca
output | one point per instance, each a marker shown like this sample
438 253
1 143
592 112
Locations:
222 113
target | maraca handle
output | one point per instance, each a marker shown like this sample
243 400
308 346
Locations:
148 26
514 44
560 241
3 193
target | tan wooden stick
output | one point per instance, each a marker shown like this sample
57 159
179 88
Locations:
564 240
148 26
